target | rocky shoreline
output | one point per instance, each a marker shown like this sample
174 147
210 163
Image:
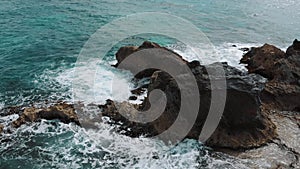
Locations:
261 112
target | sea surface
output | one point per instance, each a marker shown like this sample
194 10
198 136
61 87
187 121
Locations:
40 42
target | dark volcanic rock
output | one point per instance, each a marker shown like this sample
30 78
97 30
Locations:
243 124
63 112
112 109
132 98
124 52
293 56
282 96
244 49
294 49
262 60
283 72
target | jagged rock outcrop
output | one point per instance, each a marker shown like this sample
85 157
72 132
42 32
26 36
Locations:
282 91
294 50
243 124
283 151
124 52
246 122
112 109
262 60
62 111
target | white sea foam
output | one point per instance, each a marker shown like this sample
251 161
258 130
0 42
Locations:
226 52
72 146
115 84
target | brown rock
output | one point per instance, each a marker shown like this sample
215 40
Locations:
124 52
293 57
245 126
294 49
282 71
282 96
1 128
129 128
29 115
262 60
244 136
62 111
283 152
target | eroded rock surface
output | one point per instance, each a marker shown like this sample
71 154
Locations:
243 124
283 152
62 111
283 72
262 60
124 52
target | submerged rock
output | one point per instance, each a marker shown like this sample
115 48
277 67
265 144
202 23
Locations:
132 98
62 111
244 49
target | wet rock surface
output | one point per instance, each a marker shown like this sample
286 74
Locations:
283 72
116 112
244 126
262 60
283 151
282 96
124 52
61 111
248 129
240 126
294 49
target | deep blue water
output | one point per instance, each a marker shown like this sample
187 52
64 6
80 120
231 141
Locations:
40 42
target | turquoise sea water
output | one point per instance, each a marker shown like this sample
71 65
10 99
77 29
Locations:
40 42
40 36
